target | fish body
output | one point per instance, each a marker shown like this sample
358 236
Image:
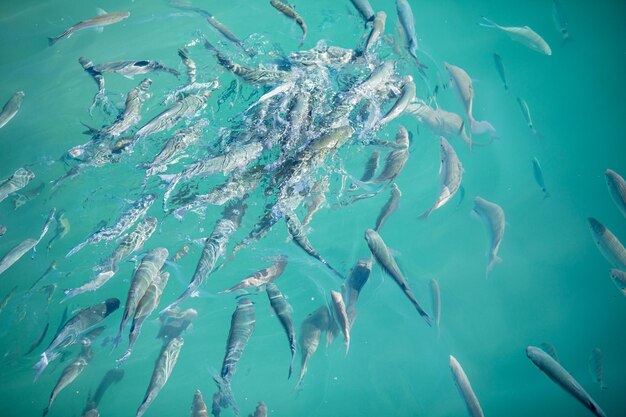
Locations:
11 108
132 110
465 389
407 95
16 253
407 23
439 121
63 227
198 407
20 179
387 262
524 35
131 68
316 200
341 316
162 370
371 166
596 366
174 323
450 176
69 374
365 9
262 277
560 20
526 113
435 295
492 217
103 19
378 28
310 332
284 312
390 206
497 59
131 242
291 13
88 66
178 143
395 161
617 189
260 411
619 279
608 244
538 173
561 377
94 284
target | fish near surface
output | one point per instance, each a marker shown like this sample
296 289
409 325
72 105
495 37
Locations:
407 94
291 13
20 179
132 110
259 278
341 316
617 189
619 279
407 23
465 389
162 370
284 312
131 68
450 176
524 35
378 28
310 332
198 407
553 370
385 260
492 216
596 367
11 108
69 374
439 121
103 19
390 206
174 323
610 247
538 173
395 161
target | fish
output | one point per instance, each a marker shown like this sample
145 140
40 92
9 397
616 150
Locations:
441 122
560 21
378 28
407 23
497 59
617 189
435 296
70 331
596 365
131 68
359 275
162 370
395 161
526 113
125 221
262 277
145 274
173 323
214 248
145 306
610 247
296 231
291 13
550 350
69 374
190 65
465 388
524 35
184 250
179 142
3 230
407 94
465 91
62 229
11 108
38 341
538 173
365 9
317 199
619 279
102 278
561 377
341 316
260 411
284 312
310 332
100 96
371 166
198 407
492 216
450 176
7 298
388 264
92 412
103 19
20 179
130 243
390 206
20 199
113 376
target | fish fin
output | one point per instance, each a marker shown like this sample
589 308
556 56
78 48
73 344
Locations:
488 23
478 128
100 11
425 214
496 260
90 130
69 293
99 29
40 366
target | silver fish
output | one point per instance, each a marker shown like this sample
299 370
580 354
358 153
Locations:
198 407
126 220
179 142
441 122
619 279
102 278
341 316
610 247
396 159
63 227
560 376
378 28
359 275
131 242
69 374
524 35
145 306
371 166
310 332
69 333
550 350
365 9
37 342
260 411
11 108
162 370
174 323
184 250
20 199
390 206
387 262
262 277
88 65
596 367
316 199
450 176
527 117
560 20
465 389
131 68
3 230
492 216
407 94
538 173
284 312
617 189
497 59
291 13
145 274
407 22
16 182
189 63
103 19
435 295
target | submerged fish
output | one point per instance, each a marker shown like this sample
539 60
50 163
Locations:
617 189
619 279
162 370
365 9
524 35
407 22
560 376
16 182
371 166
103 19
492 216
560 20
341 316
260 411
291 13
526 113
390 206
378 28
11 108
388 264
310 332
435 296
610 247
465 389
497 59
198 407
70 373
450 176
407 94
284 312
596 367
131 68
395 161
173 323
262 277
538 173
63 227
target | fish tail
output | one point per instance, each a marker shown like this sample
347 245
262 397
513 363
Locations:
69 293
40 366
293 358
494 261
125 356
478 128
488 23
347 344
76 249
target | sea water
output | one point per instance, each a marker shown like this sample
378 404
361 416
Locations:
552 286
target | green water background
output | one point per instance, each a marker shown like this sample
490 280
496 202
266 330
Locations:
552 286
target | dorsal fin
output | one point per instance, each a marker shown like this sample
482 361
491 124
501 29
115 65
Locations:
101 12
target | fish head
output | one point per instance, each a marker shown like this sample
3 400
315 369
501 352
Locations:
111 304
371 236
534 353
145 84
596 227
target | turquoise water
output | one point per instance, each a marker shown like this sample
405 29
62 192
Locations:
552 286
